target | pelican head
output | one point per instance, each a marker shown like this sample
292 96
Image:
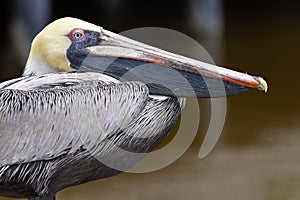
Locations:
70 44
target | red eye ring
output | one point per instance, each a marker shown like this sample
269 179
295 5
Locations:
76 34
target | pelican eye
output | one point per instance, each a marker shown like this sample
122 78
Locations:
76 34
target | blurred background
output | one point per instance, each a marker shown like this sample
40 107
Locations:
258 154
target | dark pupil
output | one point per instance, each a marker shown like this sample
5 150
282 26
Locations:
77 35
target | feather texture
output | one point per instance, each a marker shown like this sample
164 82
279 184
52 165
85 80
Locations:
86 125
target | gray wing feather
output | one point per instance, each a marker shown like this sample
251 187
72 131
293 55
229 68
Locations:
49 81
47 118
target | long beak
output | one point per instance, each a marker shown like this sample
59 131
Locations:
165 73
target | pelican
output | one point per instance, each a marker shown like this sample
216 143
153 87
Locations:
88 98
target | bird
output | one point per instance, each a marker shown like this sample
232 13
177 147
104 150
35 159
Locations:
92 103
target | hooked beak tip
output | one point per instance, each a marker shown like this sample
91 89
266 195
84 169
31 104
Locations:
262 84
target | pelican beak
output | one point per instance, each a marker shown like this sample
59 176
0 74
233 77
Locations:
165 73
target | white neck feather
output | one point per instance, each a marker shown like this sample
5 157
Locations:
37 66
